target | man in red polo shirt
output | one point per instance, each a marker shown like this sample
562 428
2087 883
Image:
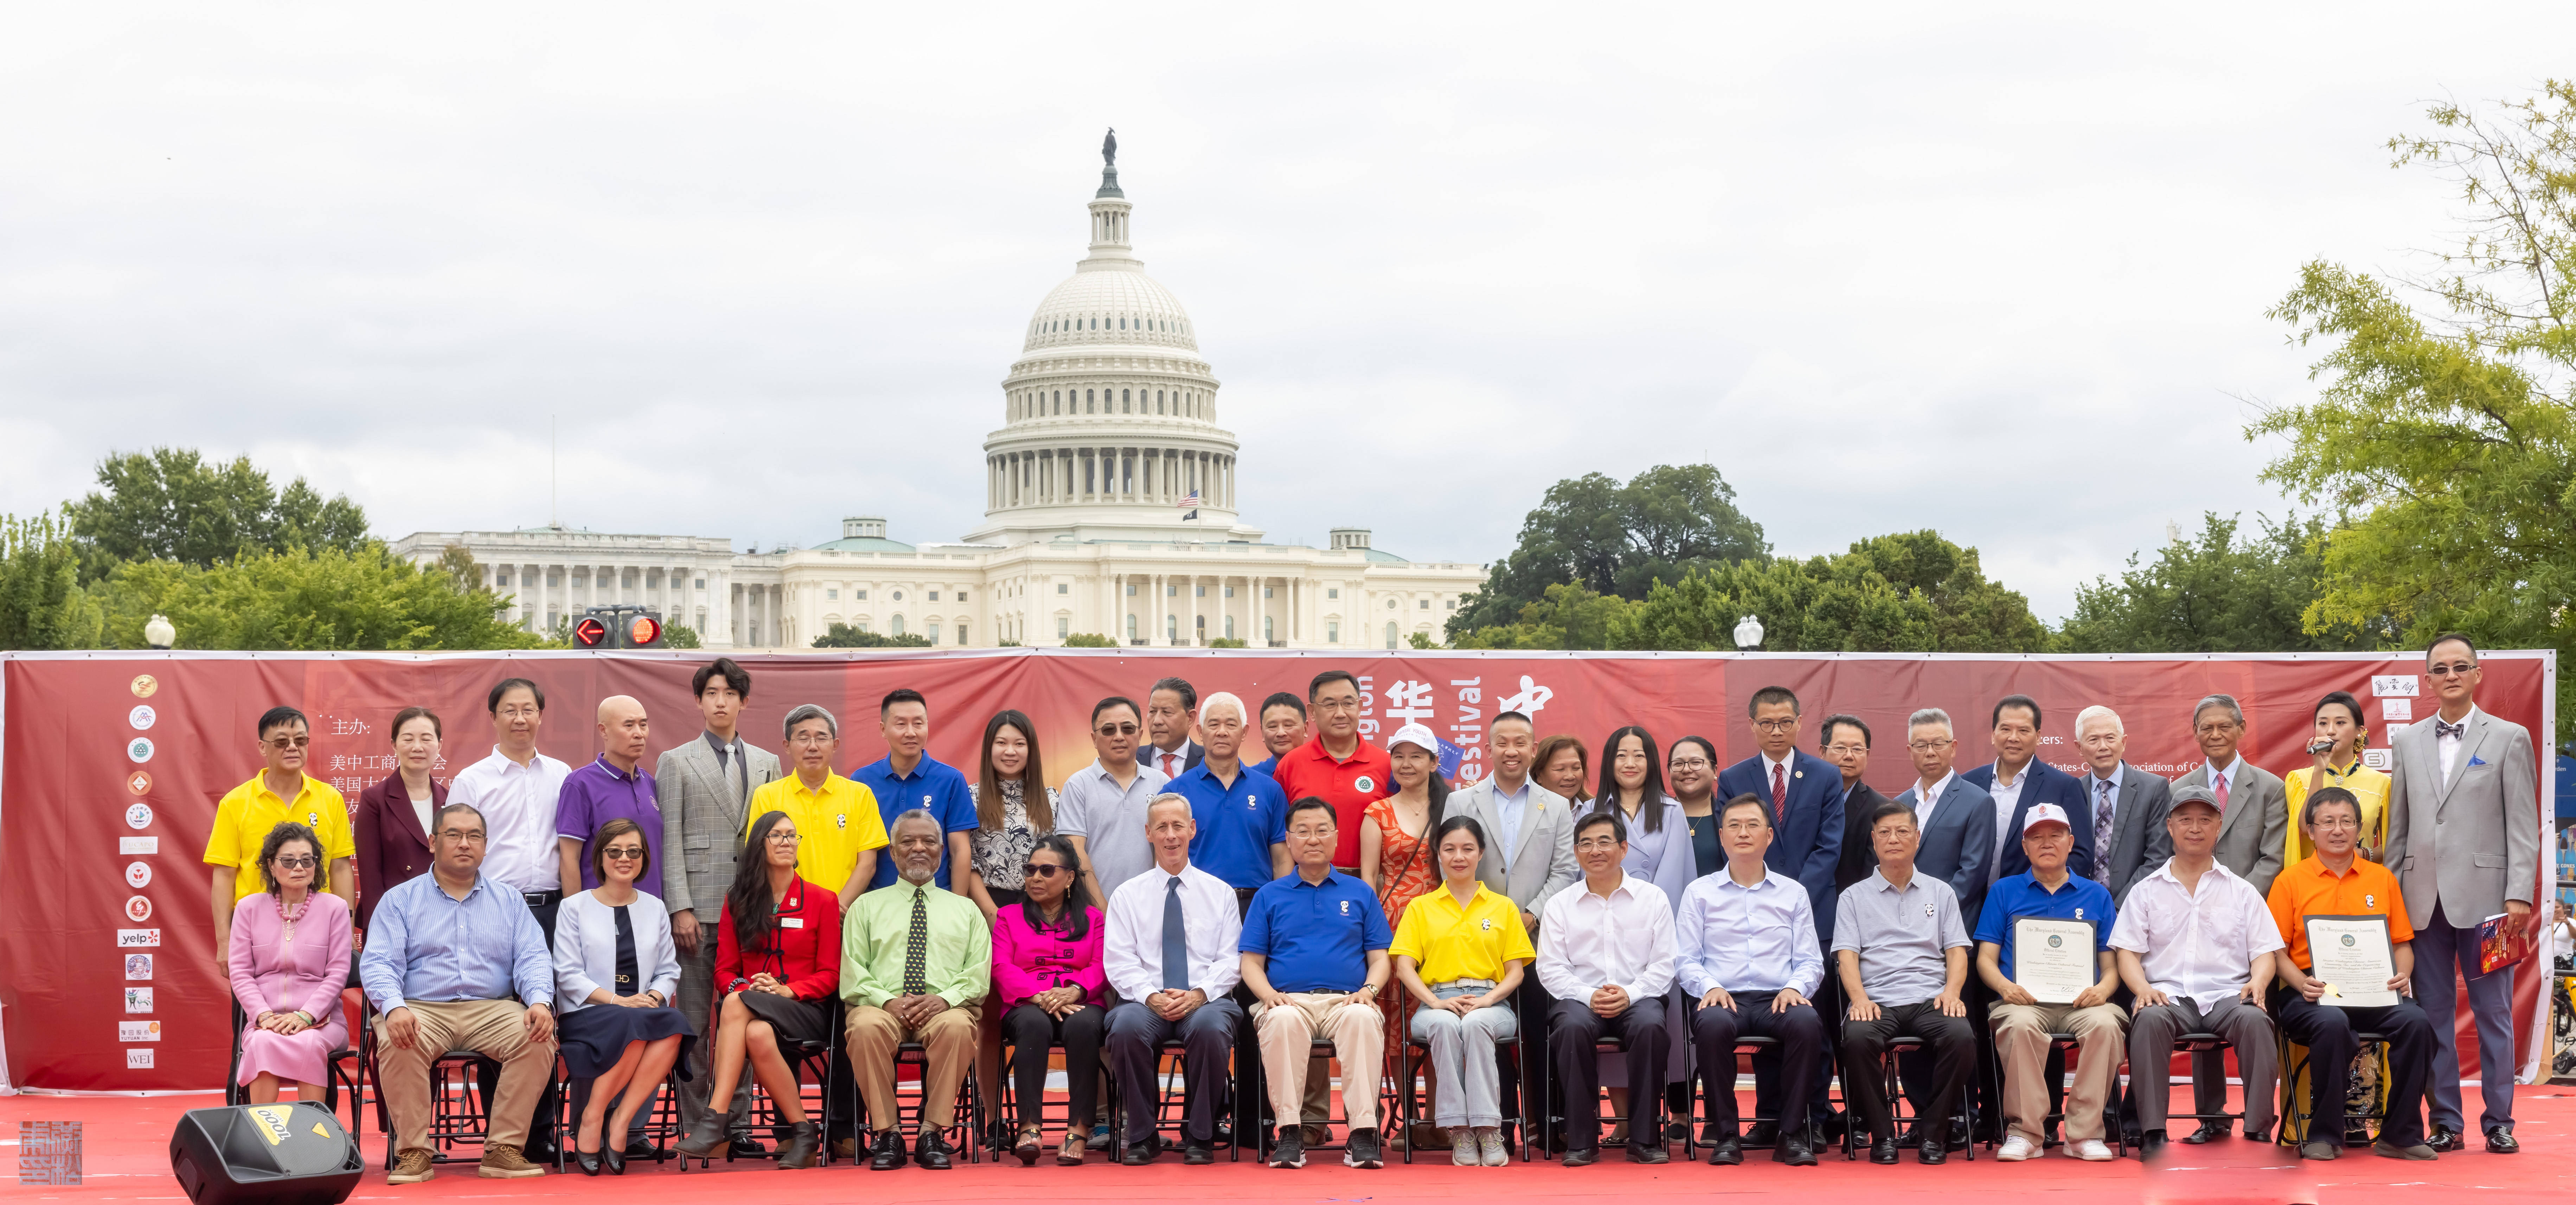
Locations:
1337 766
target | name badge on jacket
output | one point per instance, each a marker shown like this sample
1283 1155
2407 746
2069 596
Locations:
791 922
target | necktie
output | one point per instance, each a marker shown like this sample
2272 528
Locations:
2222 791
1171 769
2102 816
916 947
1779 792
2441 729
1176 942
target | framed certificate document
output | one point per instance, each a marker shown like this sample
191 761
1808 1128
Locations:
2351 954
2053 959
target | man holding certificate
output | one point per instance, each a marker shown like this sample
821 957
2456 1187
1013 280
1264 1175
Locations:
2044 950
2349 968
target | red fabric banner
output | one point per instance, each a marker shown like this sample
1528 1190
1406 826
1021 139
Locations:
112 763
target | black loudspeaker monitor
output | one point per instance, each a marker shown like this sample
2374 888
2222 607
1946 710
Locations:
292 1153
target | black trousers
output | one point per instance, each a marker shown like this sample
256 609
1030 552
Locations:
1534 1005
1954 1050
1136 1036
1573 1047
1031 1031
1766 1064
541 1128
1800 1057
2331 1035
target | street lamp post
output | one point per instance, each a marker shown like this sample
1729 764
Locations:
159 634
1748 634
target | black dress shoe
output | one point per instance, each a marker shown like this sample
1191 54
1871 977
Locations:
1138 1154
1911 1138
1763 1133
1933 1151
2500 1141
1727 1152
745 1144
2209 1131
1582 1156
932 1151
2443 1138
1794 1151
1649 1154
1197 1153
1883 1151
587 1161
885 1151
2151 1146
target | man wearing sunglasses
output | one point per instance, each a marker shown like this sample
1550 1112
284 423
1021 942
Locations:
280 792
2464 838
1102 806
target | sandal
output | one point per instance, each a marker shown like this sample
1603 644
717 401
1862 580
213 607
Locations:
1075 1149
1027 1147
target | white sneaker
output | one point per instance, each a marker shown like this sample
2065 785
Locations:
1462 1148
1489 1146
2092 1150
2016 1149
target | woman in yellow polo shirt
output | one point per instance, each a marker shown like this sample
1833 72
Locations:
2335 753
1461 952
838 830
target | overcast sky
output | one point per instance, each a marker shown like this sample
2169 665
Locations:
1995 270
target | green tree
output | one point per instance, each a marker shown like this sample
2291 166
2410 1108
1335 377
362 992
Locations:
1566 616
2219 593
680 636
843 636
1421 640
1909 592
42 604
2441 434
1089 640
306 599
1616 539
172 504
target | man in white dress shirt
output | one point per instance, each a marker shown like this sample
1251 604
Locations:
1606 954
1169 950
1746 951
2194 944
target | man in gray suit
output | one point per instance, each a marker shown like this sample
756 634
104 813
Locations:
2464 838
702 787
2254 812
2125 805
1529 849
1957 819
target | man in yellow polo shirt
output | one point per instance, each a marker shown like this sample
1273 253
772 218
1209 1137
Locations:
1461 951
2335 882
838 830
278 793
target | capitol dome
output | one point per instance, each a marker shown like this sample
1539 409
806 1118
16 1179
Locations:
1109 414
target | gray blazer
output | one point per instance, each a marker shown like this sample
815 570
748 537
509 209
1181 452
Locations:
1543 858
1958 841
2139 842
702 822
2250 838
2472 842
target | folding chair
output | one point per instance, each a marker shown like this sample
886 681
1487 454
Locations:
459 1115
1754 1044
1006 1097
1607 1044
2198 1044
911 1104
341 1066
2058 1044
2296 1064
661 1122
811 1063
1899 1110
1319 1048
1171 1115
1408 1096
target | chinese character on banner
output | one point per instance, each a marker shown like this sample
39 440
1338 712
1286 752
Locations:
1532 697
1408 702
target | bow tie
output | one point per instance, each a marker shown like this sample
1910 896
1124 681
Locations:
2441 729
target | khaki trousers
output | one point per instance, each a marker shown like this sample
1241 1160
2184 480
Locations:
2021 1045
1358 1034
947 1042
497 1029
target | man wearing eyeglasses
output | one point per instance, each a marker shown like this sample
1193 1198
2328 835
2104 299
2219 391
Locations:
1746 950
1338 766
2253 806
1805 794
280 792
1102 806
2464 838
1605 954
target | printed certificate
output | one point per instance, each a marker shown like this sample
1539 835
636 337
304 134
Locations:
2351 954
2053 959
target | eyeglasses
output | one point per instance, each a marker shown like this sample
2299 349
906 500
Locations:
1117 730
623 853
1043 870
2456 669
286 742
1597 843
297 863
1930 746
1336 705
782 837
472 837
1776 725
1841 750
1690 763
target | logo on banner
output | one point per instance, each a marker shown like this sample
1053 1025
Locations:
138 999
138 845
138 909
138 1031
141 717
139 816
139 750
143 686
2397 686
1532 697
2397 709
138 782
138 1060
138 966
131 939
138 875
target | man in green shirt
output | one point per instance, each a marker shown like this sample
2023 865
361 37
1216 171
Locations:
916 963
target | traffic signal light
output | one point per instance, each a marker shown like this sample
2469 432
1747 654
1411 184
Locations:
617 626
642 632
590 633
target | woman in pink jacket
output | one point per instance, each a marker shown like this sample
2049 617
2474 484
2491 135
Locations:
1047 974
290 961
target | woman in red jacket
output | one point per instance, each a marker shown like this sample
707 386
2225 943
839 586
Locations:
778 963
394 815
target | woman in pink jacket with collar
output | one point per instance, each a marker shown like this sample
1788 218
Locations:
1047 973
290 962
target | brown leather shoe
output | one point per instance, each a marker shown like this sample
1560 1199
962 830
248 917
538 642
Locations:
845 1148
502 1161
411 1167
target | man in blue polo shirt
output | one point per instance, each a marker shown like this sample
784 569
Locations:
907 778
1314 954
2022 1021
1242 816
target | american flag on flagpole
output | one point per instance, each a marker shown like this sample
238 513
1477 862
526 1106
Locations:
1190 505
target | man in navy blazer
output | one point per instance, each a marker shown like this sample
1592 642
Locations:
1959 821
2018 781
1806 825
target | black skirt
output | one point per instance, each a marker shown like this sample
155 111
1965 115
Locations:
794 1020
595 1038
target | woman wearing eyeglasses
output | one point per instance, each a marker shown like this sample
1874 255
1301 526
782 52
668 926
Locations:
615 970
1047 975
290 958
778 963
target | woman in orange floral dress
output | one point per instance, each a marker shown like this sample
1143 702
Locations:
1395 853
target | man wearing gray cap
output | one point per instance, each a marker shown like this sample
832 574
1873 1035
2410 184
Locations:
2194 944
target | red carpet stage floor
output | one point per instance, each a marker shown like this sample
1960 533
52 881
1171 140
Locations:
126 1140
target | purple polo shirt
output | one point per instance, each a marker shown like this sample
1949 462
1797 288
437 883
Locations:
598 793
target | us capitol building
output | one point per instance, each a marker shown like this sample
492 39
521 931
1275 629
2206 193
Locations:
1110 423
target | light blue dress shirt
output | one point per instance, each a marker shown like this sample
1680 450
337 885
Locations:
1509 811
1746 939
424 944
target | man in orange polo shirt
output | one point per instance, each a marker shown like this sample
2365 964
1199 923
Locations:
1337 766
2335 882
